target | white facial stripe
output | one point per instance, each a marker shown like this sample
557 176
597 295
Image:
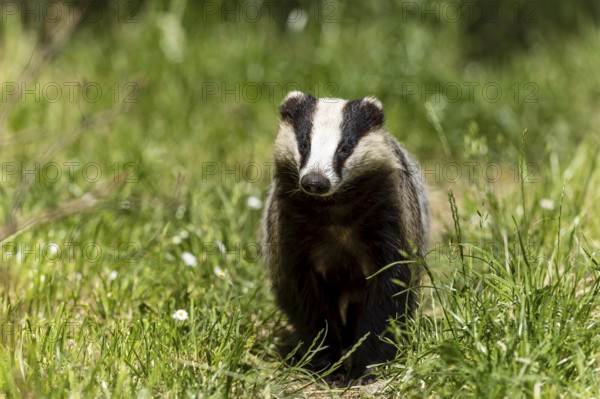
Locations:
325 137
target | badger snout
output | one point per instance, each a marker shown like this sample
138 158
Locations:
315 183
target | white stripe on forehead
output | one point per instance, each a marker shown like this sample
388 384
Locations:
325 136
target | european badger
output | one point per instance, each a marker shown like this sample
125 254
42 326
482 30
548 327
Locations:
346 201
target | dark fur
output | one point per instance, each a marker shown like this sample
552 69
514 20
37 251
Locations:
323 249
298 113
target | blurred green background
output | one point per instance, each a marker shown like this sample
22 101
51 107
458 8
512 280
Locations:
501 65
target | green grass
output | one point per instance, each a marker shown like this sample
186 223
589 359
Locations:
92 266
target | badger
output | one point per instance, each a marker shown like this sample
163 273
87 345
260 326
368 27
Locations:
344 230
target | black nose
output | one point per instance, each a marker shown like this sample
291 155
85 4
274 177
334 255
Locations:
315 183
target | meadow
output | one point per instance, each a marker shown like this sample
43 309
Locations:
136 153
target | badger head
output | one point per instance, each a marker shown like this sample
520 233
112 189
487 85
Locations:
327 143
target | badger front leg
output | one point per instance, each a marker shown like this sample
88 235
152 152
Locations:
312 311
384 301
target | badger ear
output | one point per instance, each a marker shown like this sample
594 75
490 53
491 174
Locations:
293 103
291 95
373 111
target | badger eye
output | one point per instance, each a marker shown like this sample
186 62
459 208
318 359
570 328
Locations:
344 150
302 146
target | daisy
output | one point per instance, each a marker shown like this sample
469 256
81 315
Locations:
189 259
254 202
180 315
219 272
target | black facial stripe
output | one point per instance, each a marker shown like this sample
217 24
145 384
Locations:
359 118
298 111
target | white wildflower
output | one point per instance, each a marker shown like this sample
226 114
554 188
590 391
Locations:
172 41
113 275
221 246
180 315
218 271
189 259
52 248
547 204
176 240
183 234
254 202
297 19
